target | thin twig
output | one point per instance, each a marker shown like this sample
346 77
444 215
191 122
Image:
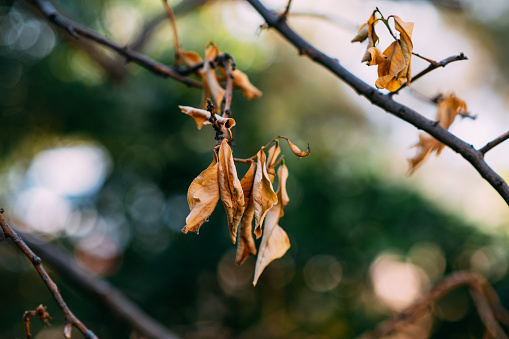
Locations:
41 313
422 305
494 143
173 24
99 291
431 67
424 58
385 102
70 319
76 30
287 10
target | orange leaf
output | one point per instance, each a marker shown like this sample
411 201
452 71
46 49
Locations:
295 149
230 189
448 108
246 246
202 197
201 117
367 31
264 196
241 81
389 69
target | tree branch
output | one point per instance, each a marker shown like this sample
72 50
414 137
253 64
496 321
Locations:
76 30
70 319
101 291
384 101
483 295
492 144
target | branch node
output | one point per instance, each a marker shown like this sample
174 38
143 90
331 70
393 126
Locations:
36 260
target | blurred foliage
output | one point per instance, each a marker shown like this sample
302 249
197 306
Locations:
343 212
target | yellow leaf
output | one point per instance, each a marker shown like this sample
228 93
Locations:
230 189
264 196
275 241
241 81
202 197
295 149
448 108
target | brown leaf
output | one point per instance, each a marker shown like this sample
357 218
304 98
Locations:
246 246
201 117
230 189
389 69
448 108
405 39
264 196
274 152
241 81
275 241
295 149
202 197
374 56
190 58
211 52
367 31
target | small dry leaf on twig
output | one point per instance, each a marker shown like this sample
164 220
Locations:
275 241
448 108
41 313
295 149
264 196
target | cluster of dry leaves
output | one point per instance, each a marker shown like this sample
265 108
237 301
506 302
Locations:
247 200
394 62
394 70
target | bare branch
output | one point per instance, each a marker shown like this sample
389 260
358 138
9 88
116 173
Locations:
70 318
76 30
173 24
433 65
385 102
484 297
492 144
102 292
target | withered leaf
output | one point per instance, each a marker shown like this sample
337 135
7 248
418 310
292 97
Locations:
202 197
201 117
295 149
211 52
246 245
264 196
275 241
367 31
230 189
448 108
241 81
274 152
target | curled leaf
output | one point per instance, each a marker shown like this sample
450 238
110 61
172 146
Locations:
275 241
202 117
202 197
448 108
264 196
246 245
367 31
230 189
241 81
295 149
274 152
211 52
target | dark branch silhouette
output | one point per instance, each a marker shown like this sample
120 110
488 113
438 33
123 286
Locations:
70 319
385 101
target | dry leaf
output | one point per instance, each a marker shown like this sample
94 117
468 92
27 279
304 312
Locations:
241 81
448 108
264 196
211 52
395 70
246 245
202 197
190 58
275 241
274 152
230 189
367 31
376 57
389 69
201 117
295 149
